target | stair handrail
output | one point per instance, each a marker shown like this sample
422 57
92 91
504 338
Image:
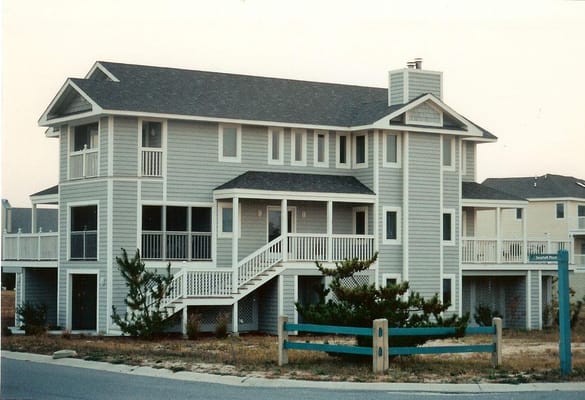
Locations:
260 261
175 290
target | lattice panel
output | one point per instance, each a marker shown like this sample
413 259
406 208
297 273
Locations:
351 283
246 310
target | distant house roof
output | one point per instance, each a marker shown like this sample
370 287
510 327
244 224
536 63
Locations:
48 191
289 182
148 89
540 187
477 191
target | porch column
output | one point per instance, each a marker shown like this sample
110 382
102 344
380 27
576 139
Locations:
284 228
33 219
498 235
330 230
235 319
235 234
525 234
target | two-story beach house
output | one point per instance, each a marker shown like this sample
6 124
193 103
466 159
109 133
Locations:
242 182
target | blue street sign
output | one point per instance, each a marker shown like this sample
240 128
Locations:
543 258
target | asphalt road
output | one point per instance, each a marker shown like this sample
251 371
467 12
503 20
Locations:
36 380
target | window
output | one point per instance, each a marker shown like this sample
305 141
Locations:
225 220
391 150
321 148
391 224
448 295
275 146
84 146
83 228
581 218
360 221
361 150
183 234
391 279
448 234
230 143
85 137
560 210
448 152
152 134
518 214
298 153
343 154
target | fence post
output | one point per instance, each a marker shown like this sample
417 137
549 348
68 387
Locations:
380 345
282 337
497 353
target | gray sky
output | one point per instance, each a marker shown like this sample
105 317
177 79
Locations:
517 68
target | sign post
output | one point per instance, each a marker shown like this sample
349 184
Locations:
564 313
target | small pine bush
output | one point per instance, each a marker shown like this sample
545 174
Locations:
194 326
221 325
33 317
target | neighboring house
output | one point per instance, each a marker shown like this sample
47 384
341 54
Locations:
555 217
242 182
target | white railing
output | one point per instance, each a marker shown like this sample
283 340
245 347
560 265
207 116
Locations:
30 246
320 247
507 251
83 164
307 247
152 162
352 246
189 246
213 282
259 261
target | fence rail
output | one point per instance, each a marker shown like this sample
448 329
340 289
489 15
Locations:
30 246
380 333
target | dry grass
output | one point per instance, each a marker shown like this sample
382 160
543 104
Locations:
528 357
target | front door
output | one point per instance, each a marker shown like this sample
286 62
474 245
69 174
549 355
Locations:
275 223
84 302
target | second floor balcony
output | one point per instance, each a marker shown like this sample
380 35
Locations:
30 246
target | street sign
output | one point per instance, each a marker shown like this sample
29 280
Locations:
543 257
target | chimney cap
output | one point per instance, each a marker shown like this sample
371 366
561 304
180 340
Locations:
415 64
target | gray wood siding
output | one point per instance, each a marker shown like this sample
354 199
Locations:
268 307
63 152
424 217
342 218
420 83
451 200
396 95
366 175
424 113
126 146
41 288
535 299
75 104
151 190
470 149
103 149
288 296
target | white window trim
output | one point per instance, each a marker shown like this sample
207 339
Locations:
354 152
451 277
303 133
450 167
70 152
564 211
163 145
238 157
316 162
398 212
280 133
521 213
398 162
463 157
451 242
387 276
347 163
82 204
220 233
355 210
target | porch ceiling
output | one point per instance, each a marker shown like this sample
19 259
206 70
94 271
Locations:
261 184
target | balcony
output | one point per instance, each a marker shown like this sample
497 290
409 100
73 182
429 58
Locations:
30 246
186 246
83 164
492 251
321 247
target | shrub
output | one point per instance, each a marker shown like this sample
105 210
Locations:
33 317
194 326
221 325
484 315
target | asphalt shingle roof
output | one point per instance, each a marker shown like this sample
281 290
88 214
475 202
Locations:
477 191
540 187
222 95
290 182
48 191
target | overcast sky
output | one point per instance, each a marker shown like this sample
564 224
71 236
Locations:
517 68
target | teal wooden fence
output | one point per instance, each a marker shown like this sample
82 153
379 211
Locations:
382 341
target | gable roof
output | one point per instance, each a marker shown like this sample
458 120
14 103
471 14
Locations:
128 88
540 187
291 182
477 191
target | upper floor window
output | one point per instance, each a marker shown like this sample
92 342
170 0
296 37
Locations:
581 219
448 227
560 210
321 150
448 148
343 153
83 230
391 150
360 221
151 153
298 147
360 150
230 143
448 295
391 225
518 213
83 161
275 146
